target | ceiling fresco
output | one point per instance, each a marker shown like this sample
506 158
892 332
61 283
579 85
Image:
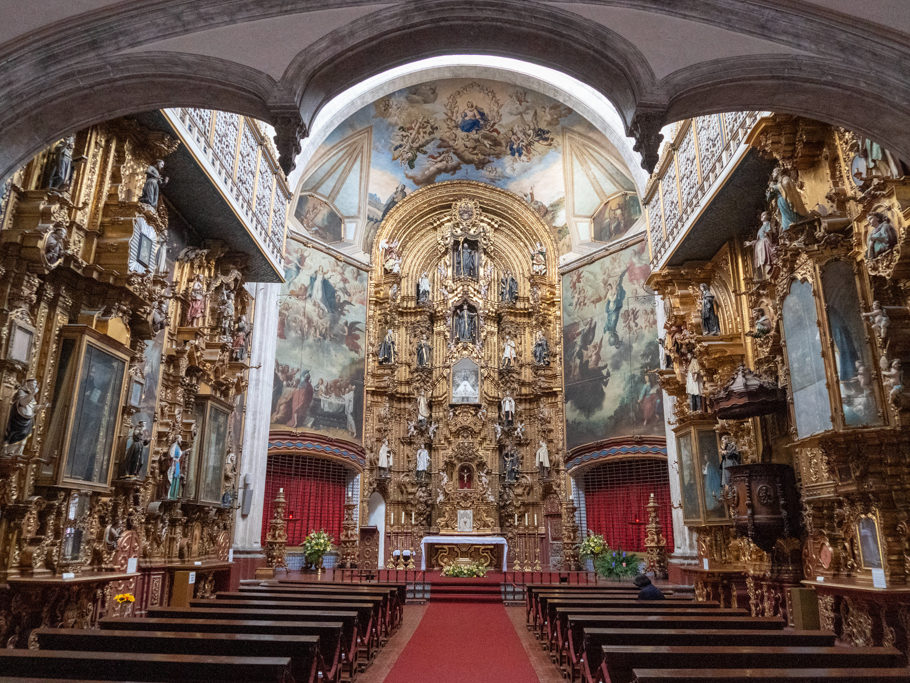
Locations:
463 129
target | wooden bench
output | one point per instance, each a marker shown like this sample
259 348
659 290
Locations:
331 633
350 619
376 626
770 675
391 607
565 644
531 593
139 666
619 661
302 650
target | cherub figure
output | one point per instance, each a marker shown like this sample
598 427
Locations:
879 319
893 379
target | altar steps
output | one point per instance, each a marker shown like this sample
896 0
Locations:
464 590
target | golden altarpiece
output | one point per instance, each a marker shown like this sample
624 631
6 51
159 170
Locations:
464 426
785 352
123 364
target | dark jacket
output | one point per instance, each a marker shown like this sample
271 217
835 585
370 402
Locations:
650 592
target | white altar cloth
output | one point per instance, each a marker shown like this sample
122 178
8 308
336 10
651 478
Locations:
463 538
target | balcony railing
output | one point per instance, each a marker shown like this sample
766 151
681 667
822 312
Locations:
246 166
691 169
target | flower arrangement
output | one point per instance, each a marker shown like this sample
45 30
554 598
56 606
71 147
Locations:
121 598
593 545
315 545
465 571
617 564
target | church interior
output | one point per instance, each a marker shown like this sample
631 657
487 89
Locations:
508 340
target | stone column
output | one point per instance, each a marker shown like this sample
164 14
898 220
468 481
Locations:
248 529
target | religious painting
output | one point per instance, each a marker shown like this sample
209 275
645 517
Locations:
319 219
319 358
465 382
466 520
869 545
614 218
610 346
465 129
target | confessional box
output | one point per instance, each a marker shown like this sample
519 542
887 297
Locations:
85 418
700 474
205 466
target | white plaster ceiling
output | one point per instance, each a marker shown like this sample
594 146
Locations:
894 14
670 43
19 19
268 45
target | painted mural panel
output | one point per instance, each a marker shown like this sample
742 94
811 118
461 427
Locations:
463 129
319 358
610 344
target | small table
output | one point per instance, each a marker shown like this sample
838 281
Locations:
459 540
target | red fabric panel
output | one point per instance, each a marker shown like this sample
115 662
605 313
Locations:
314 490
616 496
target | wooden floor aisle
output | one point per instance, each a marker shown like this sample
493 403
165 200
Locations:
462 643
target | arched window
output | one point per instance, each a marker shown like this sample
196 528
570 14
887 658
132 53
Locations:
811 404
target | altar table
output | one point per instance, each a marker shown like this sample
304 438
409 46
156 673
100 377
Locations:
459 540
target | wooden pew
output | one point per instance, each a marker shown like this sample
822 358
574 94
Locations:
140 666
351 638
547 628
595 598
302 650
566 645
375 627
619 661
771 675
331 634
401 588
391 609
619 588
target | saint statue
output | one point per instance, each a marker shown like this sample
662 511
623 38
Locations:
153 182
511 465
423 462
762 324
196 307
135 450
542 457
729 456
55 245
541 349
508 288
465 256
238 344
424 352
423 408
763 249
176 455
508 408
539 259
423 288
695 386
710 324
786 194
386 351
882 236
508 352
385 458
465 324
22 414
61 166
159 318
226 312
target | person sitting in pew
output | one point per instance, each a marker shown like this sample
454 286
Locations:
648 590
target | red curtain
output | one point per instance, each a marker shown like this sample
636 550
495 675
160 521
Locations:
616 496
314 489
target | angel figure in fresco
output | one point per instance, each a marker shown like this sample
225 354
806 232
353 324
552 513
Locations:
615 297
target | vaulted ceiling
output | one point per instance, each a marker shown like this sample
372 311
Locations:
77 62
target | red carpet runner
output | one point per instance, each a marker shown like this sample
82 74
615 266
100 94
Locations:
463 643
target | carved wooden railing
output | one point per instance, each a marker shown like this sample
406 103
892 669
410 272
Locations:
701 152
246 165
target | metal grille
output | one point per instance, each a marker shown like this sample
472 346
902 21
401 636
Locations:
616 494
314 489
